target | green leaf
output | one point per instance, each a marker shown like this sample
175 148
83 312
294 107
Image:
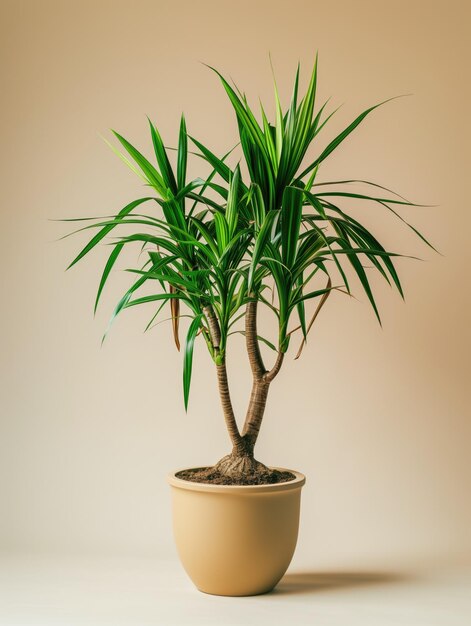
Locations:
269 141
263 237
126 161
152 175
360 271
162 159
359 180
107 229
152 298
343 135
222 232
359 196
301 308
279 127
159 308
291 213
106 272
310 295
218 164
232 203
182 154
212 244
259 337
244 115
188 357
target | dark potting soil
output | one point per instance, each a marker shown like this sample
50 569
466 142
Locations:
211 476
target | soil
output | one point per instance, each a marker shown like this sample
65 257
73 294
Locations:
211 476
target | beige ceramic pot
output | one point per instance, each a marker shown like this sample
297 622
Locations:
236 540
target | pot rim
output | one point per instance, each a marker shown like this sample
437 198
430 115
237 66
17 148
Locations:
188 485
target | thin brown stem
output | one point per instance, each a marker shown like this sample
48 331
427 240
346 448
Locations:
261 378
258 401
251 340
255 412
269 376
213 325
228 411
223 383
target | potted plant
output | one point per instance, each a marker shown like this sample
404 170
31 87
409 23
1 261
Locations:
265 232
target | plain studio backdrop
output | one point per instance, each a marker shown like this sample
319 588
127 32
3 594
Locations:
376 418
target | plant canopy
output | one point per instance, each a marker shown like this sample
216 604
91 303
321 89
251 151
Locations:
265 232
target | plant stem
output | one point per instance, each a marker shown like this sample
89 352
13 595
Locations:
269 376
261 378
231 424
251 340
255 412
223 384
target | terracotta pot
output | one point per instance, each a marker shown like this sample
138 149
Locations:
236 540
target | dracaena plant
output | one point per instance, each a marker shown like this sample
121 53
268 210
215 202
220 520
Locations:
270 234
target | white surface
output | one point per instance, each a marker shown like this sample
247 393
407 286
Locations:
37 591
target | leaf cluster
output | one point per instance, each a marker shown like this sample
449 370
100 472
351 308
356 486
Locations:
217 242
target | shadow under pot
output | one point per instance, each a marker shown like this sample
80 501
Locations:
236 540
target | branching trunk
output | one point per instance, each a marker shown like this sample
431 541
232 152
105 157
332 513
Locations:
258 400
241 461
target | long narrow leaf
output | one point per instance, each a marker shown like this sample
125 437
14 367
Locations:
342 136
107 229
106 272
162 159
188 357
182 154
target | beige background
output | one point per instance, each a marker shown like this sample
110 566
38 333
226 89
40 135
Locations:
377 419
